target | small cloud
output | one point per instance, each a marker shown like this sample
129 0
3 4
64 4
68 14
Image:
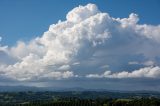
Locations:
64 67
146 63
104 66
133 63
76 63
0 38
149 63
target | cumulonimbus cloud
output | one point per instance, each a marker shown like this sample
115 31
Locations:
86 36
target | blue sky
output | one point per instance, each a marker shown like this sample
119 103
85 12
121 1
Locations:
26 19
106 44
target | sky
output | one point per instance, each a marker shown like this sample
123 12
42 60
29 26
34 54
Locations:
103 44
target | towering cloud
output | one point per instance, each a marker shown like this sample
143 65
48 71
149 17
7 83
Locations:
83 44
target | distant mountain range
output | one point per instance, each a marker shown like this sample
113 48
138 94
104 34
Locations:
31 88
58 89
17 88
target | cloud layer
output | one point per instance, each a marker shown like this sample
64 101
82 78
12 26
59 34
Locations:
150 72
85 43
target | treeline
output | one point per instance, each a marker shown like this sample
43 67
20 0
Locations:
91 102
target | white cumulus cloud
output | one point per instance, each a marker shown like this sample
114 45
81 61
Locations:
87 39
148 72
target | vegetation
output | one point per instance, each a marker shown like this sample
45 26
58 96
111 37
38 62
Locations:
76 99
